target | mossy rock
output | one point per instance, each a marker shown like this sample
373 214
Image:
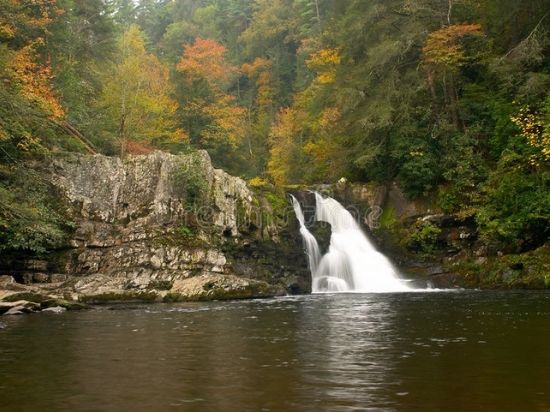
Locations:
28 296
69 305
160 285
114 297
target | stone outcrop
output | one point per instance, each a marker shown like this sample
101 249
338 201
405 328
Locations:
157 227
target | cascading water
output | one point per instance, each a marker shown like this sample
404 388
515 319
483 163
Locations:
352 264
310 243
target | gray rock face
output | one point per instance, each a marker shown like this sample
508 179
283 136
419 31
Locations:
118 202
149 220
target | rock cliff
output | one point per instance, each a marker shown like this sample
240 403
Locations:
146 225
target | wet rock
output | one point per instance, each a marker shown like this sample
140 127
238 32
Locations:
66 304
446 281
481 260
434 270
40 278
36 265
220 287
57 278
6 281
55 309
147 221
18 307
31 296
14 311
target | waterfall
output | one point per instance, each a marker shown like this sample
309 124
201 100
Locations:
310 243
352 264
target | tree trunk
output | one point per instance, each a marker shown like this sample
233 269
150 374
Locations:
122 135
453 103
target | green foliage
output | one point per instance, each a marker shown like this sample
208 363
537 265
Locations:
185 231
448 102
30 219
514 199
426 236
192 180
420 172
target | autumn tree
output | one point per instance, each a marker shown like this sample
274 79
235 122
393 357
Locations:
286 152
209 113
443 54
136 95
260 111
28 102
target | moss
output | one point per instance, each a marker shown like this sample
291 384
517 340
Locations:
160 285
181 236
69 305
120 297
214 291
29 296
174 297
527 270
277 201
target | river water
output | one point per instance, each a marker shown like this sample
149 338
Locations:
446 351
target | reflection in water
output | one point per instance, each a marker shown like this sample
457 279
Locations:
389 352
353 344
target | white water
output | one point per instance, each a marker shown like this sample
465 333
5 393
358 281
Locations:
352 264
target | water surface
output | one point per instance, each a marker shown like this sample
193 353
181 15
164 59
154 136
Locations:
452 351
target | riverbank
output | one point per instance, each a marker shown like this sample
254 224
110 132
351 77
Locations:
163 228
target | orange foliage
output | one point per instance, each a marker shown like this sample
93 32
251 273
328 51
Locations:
26 22
443 48
17 16
34 80
205 59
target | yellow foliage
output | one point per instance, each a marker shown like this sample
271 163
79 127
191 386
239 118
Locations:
329 116
137 93
285 149
537 134
178 136
260 71
228 121
257 182
325 62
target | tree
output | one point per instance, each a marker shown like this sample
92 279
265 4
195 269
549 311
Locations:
28 102
286 153
208 112
82 44
443 55
136 95
205 59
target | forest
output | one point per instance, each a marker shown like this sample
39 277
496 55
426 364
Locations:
448 98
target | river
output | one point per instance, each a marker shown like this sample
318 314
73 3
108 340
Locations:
431 351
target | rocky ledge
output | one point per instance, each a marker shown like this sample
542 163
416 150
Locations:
158 227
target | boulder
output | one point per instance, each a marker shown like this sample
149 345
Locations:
18 307
55 309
